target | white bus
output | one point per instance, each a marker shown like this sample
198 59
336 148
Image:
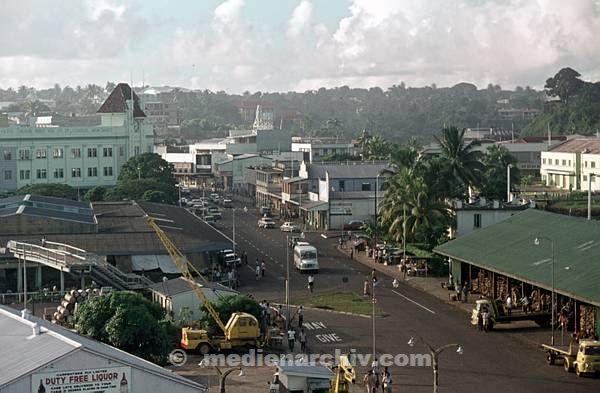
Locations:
305 257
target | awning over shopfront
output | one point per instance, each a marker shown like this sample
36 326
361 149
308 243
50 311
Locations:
151 262
313 206
509 248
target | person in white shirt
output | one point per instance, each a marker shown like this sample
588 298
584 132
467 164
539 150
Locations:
311 282
508 305
291 333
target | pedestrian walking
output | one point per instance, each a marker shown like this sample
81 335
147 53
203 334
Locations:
375 371
367 380
366 287
263 267
302 337
351 252
525 303
486 319
465 293
341 242
508 305
291 333
244 257
257 271
458 290
386 381
479 321
230 278
300 317
311 283
395 283
373 276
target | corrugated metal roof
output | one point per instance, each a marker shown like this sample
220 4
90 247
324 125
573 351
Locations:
350 171
585 145
181 285
21 356
508 248
48 207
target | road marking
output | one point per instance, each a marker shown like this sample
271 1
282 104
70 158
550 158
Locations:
328 338
314 325
412 301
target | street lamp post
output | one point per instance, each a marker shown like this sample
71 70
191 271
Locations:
179 189
537 243
223 376
233 231
287 278
435 353
508 198
590 176
373 300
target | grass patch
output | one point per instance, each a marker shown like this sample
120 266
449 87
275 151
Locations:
341 301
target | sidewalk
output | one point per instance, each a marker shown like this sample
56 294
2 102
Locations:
527 331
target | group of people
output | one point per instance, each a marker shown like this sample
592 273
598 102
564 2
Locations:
462 292
260 269
301 337
483 319
373 379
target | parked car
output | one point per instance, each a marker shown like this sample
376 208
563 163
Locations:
232 259
210 220
265 211
289 227
214 211
354 225
215 198
227 203
266 222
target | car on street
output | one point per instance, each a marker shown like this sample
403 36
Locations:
232 259
265 211
266 222
215 198
289 227
305 257
227 203
210 220
214 211
354 225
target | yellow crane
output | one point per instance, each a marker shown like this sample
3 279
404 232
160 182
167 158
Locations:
241 330
344 376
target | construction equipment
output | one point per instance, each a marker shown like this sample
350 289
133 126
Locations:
242 329
345 375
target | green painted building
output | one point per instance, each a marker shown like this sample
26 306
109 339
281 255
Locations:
81 157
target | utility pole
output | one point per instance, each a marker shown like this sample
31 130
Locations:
287 278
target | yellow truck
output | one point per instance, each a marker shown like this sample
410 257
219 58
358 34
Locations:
242 329
582 357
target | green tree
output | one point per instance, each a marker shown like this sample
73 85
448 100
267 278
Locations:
147 166
95 194
564 84
225 306
49 189
463 164
128 321
496 161
378 148
363 141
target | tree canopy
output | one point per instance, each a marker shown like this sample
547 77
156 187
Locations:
57 190
128 321
227 305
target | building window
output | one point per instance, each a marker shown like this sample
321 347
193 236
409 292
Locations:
107 152
342 185
76 153
569 162
92 152
7 175
585 164
564 162
121 151
7 155
41 174
75 172
59 173
556 161
92 172
149 148
477 220
136 150
40 153
593 164
24 154
584 177
24 174
108 171
57 153
543 161
366 187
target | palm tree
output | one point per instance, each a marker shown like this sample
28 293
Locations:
463 164
363 140
378 148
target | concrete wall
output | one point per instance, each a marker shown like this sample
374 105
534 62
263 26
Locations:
465 219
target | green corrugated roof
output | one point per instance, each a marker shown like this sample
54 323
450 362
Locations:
508 248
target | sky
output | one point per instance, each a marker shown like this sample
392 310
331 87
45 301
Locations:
296 45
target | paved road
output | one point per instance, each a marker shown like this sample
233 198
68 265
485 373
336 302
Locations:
491 362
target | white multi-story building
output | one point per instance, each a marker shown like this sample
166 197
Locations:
569 165
318 149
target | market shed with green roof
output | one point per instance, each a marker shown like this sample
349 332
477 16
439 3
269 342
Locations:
504 258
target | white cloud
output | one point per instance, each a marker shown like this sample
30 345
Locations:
511 42
301 18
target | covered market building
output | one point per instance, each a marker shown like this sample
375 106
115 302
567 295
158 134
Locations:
518 256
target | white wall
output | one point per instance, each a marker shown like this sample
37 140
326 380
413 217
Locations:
112 119
465 219
590 164
559 174
142 381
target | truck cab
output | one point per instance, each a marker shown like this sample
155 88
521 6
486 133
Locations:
587 359
497 315
242 330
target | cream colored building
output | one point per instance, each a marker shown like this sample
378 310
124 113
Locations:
569 165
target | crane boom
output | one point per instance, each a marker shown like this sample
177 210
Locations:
185 266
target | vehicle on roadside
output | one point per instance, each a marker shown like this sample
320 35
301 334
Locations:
354 225
290 227
582 357
227 203
201 211
265 211
214 211
294 240
215 198
210 220
266 222
306 257
497 314
232 259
